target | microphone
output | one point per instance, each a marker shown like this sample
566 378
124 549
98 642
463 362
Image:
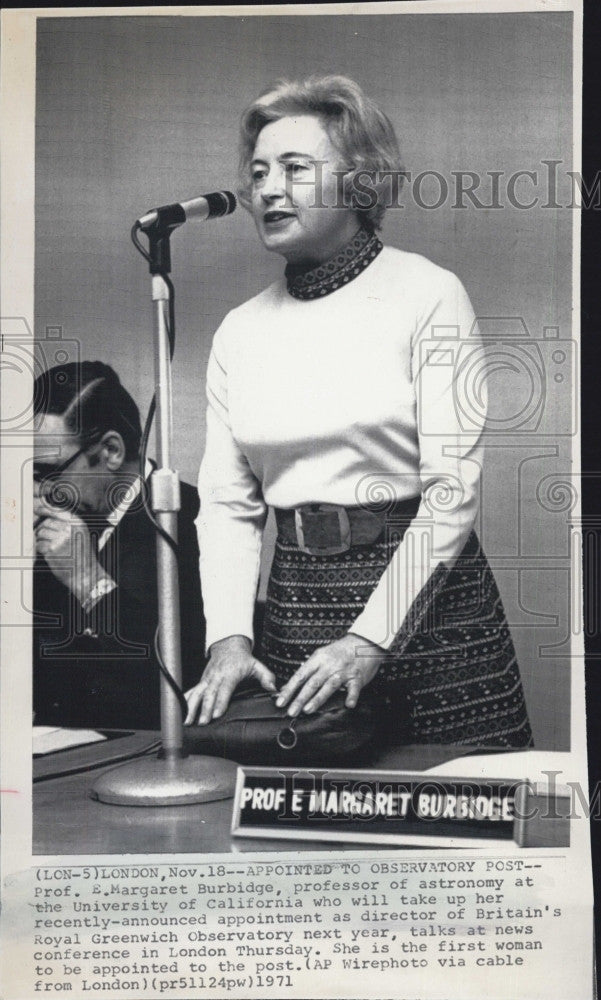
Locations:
207 206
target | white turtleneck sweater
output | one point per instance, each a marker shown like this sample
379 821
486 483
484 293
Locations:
373 390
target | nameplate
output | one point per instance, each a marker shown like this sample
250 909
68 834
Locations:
391 807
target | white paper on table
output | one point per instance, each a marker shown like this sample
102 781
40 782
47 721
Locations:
48 739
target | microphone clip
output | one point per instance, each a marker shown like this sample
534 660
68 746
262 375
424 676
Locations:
158 225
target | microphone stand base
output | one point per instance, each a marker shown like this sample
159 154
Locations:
152 781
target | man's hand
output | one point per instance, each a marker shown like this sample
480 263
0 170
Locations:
350 662
63 540
230 662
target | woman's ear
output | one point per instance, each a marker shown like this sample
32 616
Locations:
112 449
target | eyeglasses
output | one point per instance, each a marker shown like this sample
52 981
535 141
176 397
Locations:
44 471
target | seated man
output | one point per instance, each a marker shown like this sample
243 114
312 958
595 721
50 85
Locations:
95 575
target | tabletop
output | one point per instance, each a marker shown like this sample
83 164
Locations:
66 820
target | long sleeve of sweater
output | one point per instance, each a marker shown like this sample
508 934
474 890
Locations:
450 401
231 519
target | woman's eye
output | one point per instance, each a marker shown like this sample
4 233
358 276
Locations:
295 168
257 175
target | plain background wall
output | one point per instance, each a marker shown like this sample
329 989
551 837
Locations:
134 112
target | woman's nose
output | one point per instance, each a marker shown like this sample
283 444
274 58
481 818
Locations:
274 185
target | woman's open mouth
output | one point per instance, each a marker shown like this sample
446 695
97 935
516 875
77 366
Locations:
277 218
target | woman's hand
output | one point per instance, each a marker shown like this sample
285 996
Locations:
231 661
350 662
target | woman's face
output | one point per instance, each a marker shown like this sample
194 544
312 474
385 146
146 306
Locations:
297 199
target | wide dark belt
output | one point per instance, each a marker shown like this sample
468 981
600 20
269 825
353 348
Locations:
324 529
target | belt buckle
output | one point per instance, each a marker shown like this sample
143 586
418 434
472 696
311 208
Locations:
344 529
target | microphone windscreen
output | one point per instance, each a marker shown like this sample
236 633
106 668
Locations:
220 203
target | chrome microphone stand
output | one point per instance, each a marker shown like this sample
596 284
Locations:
171 778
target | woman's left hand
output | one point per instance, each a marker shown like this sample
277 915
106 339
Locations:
350 662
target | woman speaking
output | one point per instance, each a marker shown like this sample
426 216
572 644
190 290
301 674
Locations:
334 396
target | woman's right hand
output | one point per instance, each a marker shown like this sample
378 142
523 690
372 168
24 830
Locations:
230 662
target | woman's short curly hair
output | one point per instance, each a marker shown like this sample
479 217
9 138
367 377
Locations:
359 130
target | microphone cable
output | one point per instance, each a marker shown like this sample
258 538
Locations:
142 467
66 770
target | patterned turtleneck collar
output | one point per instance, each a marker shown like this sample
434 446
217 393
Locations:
335 272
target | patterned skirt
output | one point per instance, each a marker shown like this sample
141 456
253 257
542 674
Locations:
451 674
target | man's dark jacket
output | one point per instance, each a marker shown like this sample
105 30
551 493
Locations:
100 669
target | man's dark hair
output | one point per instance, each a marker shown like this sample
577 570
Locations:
90 397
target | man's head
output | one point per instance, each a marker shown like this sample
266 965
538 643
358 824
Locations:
87 436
